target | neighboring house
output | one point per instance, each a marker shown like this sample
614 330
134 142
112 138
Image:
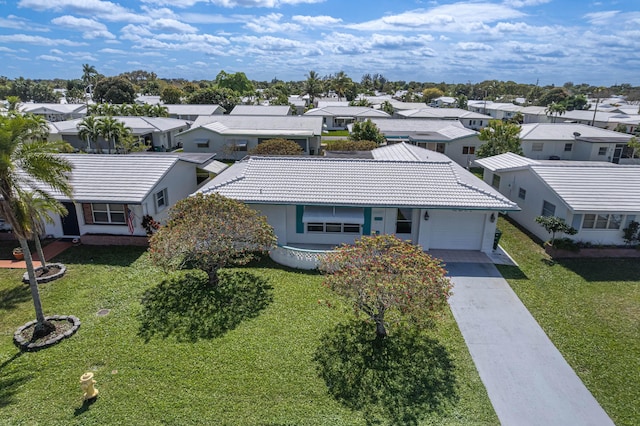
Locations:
264 110
444 102
191 112
405 106
148 99
568 141
598 199
599 118
54 112
320 202
106 187
231 137
158 133
299 103
470 120
339 117
444 136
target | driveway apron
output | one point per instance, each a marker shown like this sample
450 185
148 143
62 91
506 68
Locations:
526 377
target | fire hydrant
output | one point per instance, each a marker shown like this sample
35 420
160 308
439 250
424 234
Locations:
86 384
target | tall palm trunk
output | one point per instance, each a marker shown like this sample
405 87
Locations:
42 327
43 261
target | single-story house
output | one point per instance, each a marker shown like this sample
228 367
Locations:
54 112
448 137
268 110
190 112
599 199
570 141
230 137
320 202
470 120
444 102
112 193
158 133
339 117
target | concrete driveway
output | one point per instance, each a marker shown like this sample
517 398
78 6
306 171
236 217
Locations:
526 377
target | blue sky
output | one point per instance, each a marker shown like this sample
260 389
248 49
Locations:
550 41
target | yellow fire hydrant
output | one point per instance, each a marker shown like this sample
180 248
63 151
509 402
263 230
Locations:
86 384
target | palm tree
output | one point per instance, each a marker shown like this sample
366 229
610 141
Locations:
158 110
89 131
39 207
341 83
312 86
89 73
27 161
112 130
556 109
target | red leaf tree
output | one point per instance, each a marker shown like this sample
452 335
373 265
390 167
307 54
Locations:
209 232
388 279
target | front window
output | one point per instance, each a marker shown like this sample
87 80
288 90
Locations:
161 200
537 146
469 150
346 228
522 193
602 221
403 221
568 147
347 220
602 150
548 209
496 181
108 213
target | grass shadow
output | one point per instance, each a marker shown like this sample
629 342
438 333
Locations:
511 272
603 269
84 407
187 307
101 255
11 297
397 380
9 384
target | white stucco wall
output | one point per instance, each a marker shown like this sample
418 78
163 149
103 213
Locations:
454 148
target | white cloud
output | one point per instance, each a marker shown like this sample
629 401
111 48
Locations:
271 24
473 46
602 18
91 29
262 3
6 49
524 3
106 10
398 41
110 51
172 25
37 40
50 58
316 21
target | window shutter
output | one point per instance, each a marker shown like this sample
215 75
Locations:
366 228
88 214
299 223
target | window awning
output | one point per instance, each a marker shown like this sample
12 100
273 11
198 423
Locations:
333 215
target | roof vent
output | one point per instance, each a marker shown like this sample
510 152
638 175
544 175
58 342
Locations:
576 134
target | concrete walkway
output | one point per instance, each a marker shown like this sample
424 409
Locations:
526 377
50 251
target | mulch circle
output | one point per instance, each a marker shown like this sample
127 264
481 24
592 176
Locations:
66 326
56 270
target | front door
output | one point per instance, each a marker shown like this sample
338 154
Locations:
70 221
617 153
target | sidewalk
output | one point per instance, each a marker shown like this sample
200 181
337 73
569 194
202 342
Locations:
526 377
50 251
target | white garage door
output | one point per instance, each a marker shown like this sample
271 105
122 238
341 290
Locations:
456 230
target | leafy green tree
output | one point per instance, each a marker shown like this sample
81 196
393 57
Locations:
555 95
387 107
555 109
26 157
499 137
113 131
171 95
341 84
363 102
152 88
114 90
462 101
209 232
349 145
431 93
277 147
366 131
238 82
224 97
634 144
386 278
13 102
89 131
554 225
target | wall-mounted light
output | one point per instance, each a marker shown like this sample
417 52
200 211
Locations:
492 218
426 215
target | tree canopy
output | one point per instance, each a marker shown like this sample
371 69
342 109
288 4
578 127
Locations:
387 278
554 225
224 97
366 131
209 232
114 90
349 145
499 137
277 147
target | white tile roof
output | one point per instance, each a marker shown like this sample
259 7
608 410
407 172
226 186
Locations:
259 125
504 162
194 109
346 111
261 110
138 125
614 189
115 178
435 130
569 132
443 113
43 108
356 182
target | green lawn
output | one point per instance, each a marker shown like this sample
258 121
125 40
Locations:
260 373
591 311
336 133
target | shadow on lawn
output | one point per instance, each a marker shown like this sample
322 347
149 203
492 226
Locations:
10 297
101 255
399 379
603 270
9 384
189 308
511 272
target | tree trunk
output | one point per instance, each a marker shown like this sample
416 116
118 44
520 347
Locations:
43 261
381 331
43 327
